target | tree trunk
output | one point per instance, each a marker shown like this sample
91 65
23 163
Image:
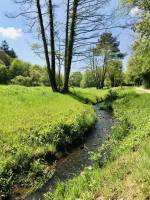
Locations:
104 71
70 46
66 44
52 40
50 73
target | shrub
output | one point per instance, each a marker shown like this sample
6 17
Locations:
3 74
18 68
75 79
35 76
21 80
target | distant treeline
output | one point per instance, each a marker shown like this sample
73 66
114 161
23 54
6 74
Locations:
18 72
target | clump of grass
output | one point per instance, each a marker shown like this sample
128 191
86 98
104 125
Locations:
123 173
34 122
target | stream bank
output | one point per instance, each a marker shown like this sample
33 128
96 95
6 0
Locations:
75 162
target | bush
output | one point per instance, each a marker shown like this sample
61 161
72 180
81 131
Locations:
3 75
18 68
35 76
21 80
111 96
75 79
88 79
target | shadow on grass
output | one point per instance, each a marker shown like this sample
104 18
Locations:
77 96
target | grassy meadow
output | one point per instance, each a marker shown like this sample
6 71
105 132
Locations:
122 163
34 122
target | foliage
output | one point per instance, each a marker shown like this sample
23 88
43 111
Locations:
22 80
5 47
139 63
109 98
18 68
115 73
88 79
108 46
106 51
124 171
4 58
34 122
3 74
75 79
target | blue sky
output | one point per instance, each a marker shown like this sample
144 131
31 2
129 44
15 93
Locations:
12 30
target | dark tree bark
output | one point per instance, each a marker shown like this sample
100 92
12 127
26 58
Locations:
71 38
46 52
84 20
66 41
52 41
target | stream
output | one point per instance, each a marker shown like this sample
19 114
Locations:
74 163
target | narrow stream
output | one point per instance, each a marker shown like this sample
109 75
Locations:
74 163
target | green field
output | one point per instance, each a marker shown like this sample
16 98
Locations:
122 163
33 123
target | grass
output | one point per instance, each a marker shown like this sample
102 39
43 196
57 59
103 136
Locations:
35 122
89 95
123 162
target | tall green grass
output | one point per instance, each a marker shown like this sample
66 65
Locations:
89 95
33 123
122 163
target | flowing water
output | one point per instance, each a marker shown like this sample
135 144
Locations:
74 163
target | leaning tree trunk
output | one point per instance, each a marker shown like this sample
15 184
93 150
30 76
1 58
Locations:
43 34
69 52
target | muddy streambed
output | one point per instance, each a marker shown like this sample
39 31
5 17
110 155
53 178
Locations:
74 163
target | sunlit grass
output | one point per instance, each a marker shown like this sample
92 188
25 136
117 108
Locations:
124 173
33 122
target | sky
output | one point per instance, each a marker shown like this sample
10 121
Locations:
13 31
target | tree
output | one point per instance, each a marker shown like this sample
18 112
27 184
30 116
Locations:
80 28
88 79
115 73
5 47
139 64
75 79
138 71
107 50
50 62
5 59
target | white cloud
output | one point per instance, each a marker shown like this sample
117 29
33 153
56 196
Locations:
135 12
10 32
